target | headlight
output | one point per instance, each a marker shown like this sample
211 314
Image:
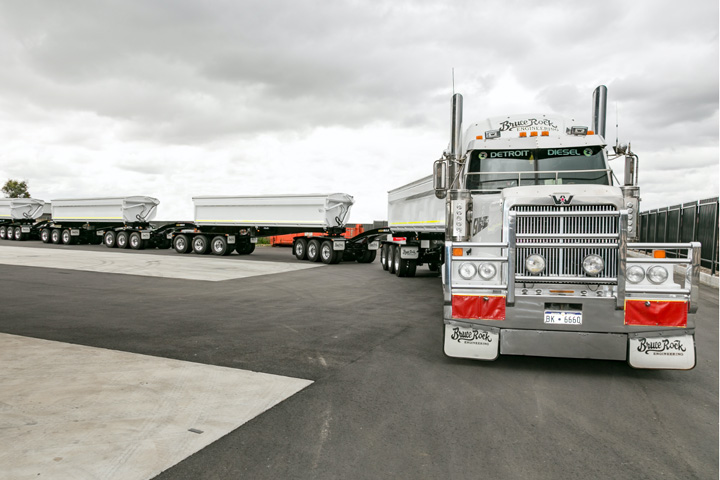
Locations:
635 274
657 274
535 263
467 271
593 264
487 271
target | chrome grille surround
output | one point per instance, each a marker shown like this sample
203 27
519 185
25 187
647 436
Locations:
564 235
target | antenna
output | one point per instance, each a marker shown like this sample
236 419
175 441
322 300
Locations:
617 133
453 79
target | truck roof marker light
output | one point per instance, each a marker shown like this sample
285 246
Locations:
457 252
490 134
580 131
590 132
545 133
479 137
658 253
533 134
523 134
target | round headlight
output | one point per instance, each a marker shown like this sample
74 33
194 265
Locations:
535 263
635 274
657 274
487 271
593 264
467 271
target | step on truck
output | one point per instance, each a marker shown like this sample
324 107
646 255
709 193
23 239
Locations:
117 222
416 223
537 241
18 218
224 224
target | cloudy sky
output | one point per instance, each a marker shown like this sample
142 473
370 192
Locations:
176 98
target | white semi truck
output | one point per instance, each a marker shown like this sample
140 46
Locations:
536 248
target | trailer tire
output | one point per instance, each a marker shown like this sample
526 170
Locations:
392 252
219 246
368 256
200 244
384 250
136 242
110 239
3 233
181 244
300 248
245 248
313 250
66 237
121 240
45 235
55 236
19 236
405 267
328 255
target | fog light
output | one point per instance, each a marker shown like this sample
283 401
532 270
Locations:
487 271
635 274
467 271
535 264
657 274
593 264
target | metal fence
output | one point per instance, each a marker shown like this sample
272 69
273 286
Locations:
688 222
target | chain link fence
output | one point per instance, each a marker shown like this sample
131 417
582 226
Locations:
688 222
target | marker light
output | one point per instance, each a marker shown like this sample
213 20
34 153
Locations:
579 131
523 134
545 133
593 264
658 253
657 274
457 252
487 271
490 134
535 263
467 271
479 137
533 134
635 274
590 132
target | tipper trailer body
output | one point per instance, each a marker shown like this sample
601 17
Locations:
18 218
536 242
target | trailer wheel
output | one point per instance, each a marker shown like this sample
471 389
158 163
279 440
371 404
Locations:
55 236
313 250
110 239
181 244
245 248
300 248
368 256
405 267
66 237
121 239
219 246
3 233
45 235
136 242
384 252
392 252
200 244
19 236
328 255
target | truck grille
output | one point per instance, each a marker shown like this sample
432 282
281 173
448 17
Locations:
541 227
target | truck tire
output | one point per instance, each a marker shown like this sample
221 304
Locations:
121 239
55 236
135 241
313 250
200 244
19 236
219 246
245 248
3 232
392 251
181 244
328 255
110 239
405 267
300 248
66 237
368 256
383 256
45 235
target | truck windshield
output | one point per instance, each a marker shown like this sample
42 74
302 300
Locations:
492 170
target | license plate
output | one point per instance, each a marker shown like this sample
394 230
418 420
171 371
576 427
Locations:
25 229
145 235
338 245
559 317
409 253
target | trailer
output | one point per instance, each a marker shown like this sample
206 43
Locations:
224 224
122 222
18 218
416 220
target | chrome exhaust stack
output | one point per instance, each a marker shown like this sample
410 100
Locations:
599 110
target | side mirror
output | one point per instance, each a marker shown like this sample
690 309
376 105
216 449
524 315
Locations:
440 178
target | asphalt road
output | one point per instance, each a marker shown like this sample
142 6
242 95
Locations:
385 402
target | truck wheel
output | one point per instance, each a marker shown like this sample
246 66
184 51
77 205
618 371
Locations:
405 267
3 233
66 237
55 236
368 256
220 246
392 251
18 234
121 239
45 235
385 250
181 244
300 248
328 255
245 248
313 250
200 244
110 239
136 242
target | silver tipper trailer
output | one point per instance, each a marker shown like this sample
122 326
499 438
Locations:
18 217
234 222
115 221
416 219
537 248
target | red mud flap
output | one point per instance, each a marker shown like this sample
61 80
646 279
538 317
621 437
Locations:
471 342
671 353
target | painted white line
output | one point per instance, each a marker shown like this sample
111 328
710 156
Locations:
69 411
189 267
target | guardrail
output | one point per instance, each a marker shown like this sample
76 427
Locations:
688 222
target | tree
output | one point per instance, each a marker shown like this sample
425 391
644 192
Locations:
16 189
